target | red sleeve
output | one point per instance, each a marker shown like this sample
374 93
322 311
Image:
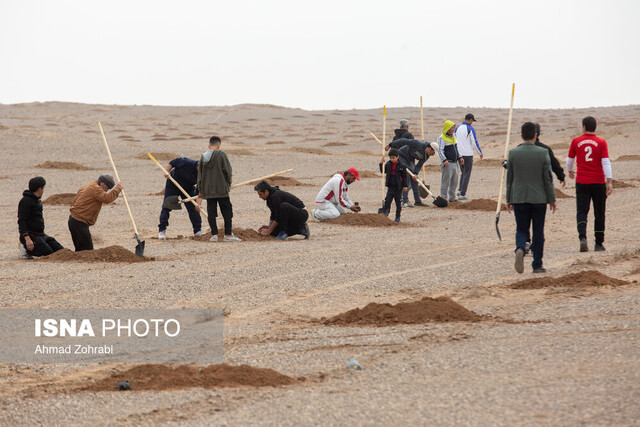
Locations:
572 150
604 154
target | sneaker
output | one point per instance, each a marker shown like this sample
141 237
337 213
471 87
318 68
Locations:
599 248
304 230
527 248
583 245
282 235
407 205
162 235
214 238
397 219
231 238
453 200
198 233
419 203
539 270
458 194
463 198
519 264
23 252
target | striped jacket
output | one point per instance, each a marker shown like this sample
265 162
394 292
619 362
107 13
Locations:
335 191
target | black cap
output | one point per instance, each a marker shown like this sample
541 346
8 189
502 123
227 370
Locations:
470 117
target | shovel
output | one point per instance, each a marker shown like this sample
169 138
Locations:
438 201
140 245
504 171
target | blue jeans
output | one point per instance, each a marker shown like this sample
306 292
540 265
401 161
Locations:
526 214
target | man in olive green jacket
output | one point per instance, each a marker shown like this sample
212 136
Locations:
529 189
214 183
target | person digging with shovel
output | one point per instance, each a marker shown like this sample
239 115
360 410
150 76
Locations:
288 214
185 172
86 207
411 151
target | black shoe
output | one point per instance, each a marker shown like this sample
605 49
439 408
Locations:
519 264
304 230
397 219
539 270
419 203
599 248
583 245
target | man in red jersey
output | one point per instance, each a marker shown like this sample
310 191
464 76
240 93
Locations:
594 180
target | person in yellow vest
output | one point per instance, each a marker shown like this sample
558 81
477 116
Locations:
449 158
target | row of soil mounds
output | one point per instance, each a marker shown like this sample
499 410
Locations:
60 199
159 377
441 309
245 234
583 279
62 165
621 184
364 220
109 254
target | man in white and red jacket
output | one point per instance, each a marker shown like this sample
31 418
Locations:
334 196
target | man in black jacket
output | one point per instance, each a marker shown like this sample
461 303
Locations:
403 132
288 213
555 164
410 151
33 241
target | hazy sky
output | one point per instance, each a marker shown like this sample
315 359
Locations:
321 54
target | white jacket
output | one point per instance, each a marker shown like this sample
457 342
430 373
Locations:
335 191
466 139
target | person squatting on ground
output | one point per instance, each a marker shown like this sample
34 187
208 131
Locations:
403 132
467 142
594 181
86 207
449 156
410 151
396 182
185 172
333 198
288 214
33 240
214 183
529 190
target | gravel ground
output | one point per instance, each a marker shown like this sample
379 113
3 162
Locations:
549 356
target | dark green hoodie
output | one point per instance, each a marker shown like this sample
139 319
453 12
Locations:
214 174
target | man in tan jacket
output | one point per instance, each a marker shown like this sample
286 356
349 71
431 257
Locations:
86 207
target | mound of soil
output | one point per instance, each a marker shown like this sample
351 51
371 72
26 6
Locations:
621 184
335 144
307 150
62 165
245 234
487 205
561 195
488 162
576 280
59 199
240 152
161 157
275 142
286 181
109 254
368 174
159 377
441 309
628 157
364 220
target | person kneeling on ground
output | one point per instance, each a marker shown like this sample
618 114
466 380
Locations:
397 182
33 241
334 197
288 213
86 207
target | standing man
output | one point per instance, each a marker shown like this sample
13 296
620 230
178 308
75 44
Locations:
555 164
33 241
467 142
529 190
288 213
334 196
214 183
403 132
410 151
594 181
449 155
185 172
86 207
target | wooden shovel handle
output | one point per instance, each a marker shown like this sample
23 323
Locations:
251 181
506 151
421 184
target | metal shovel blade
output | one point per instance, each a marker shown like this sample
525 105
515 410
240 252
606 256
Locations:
423 193
497 229
139 246
440 202
171 202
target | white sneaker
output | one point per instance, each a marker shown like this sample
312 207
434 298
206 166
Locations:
231 238
199 233
23 252
214 238
162 235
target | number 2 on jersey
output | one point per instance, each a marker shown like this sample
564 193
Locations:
588 150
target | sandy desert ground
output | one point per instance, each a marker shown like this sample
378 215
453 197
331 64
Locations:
556 355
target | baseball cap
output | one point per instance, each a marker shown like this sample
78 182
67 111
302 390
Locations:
470 117
354 172
434 146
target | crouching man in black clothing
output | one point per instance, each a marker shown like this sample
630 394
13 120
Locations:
33 241
288 213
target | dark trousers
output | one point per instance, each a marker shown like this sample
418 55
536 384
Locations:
526 214
394 193
466 174
80 235
414 186
291 219
42 244
585 194
194 217
227 213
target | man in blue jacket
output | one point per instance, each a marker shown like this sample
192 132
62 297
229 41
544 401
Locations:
185 172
